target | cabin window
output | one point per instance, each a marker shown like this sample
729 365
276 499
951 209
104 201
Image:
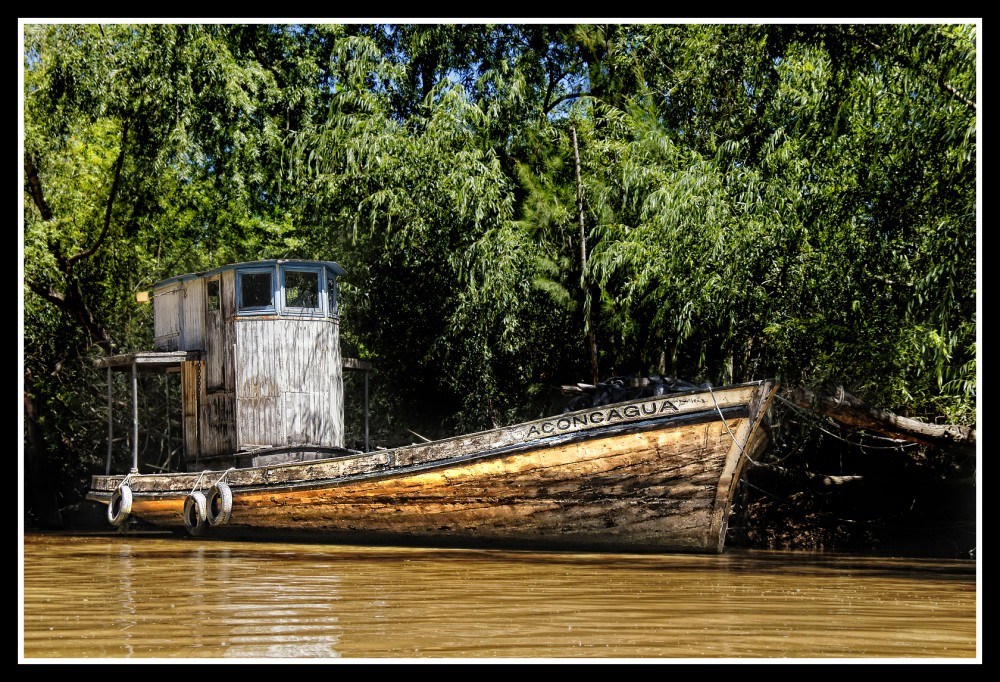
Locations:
302 291
256 290
212 293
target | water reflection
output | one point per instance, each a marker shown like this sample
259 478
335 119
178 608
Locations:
160 597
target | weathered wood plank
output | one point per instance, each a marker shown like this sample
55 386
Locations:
189 403
289 383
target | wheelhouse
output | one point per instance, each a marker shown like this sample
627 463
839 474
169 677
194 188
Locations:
257 348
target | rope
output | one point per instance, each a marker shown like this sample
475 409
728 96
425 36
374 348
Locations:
220 478
126 480
724 423
224 474
201 476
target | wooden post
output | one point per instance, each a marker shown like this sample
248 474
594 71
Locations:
366 411
170 445
111 426
135 419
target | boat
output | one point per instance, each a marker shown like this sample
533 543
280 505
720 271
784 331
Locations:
256 347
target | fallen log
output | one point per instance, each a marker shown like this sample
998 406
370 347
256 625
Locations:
838 404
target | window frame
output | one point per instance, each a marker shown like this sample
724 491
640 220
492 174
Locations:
242 309
217 282
320 311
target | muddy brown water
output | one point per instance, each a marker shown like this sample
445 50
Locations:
105 596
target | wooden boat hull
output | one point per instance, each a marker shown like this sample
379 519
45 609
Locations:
650 475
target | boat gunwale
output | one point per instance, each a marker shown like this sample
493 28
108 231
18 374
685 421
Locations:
103 485
739 411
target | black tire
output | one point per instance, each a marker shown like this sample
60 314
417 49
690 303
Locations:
220 504
120 505
580 402
195 513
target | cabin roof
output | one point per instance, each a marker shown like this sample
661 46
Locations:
331 266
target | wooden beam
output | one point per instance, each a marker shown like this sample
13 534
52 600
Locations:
148 361
354 363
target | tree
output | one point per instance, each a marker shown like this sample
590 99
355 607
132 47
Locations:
792 200
787 208
147 150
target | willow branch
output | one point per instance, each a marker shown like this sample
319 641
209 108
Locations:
106 228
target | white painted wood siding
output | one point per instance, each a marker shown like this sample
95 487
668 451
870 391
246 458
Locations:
192 329
289 382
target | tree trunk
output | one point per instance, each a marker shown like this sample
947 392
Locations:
587 312
840 405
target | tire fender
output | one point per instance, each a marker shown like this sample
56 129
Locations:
220 504
195 513
120 505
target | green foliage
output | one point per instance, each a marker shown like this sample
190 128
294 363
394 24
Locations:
149 150
791 200
800 229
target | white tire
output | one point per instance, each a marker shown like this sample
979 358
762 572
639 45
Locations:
120 505
195 513
220 504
